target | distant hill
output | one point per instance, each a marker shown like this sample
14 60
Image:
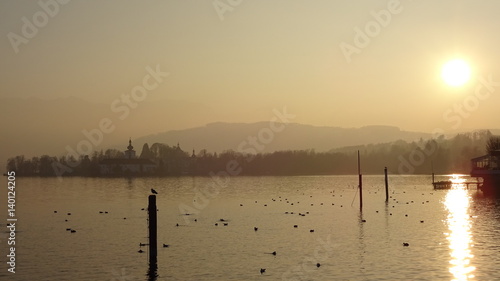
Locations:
33 126
217 137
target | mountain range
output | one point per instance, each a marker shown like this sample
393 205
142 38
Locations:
260 137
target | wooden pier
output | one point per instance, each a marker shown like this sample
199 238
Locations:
450 184
442 184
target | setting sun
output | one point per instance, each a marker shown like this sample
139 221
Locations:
455 72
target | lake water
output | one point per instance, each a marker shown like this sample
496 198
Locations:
452 234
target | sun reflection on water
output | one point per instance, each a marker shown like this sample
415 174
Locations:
457 203
458 181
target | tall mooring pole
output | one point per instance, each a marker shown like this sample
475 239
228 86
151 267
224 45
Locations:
152 230
386 186
360 184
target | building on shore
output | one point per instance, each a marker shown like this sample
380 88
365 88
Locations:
487 167
129 165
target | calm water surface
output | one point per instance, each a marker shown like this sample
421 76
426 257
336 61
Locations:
452 234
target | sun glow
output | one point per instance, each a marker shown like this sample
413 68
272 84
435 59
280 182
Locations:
456 72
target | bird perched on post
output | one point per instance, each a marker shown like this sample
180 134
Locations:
153 191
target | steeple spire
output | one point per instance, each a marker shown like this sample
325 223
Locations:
130 147
130 152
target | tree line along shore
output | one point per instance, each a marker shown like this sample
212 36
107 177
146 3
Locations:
440 155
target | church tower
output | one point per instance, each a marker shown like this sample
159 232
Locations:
130 152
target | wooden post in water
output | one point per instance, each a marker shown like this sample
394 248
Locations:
360 184
432 170
152 230
386 185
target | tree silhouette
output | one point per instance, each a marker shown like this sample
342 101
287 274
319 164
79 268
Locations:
146 152
493 144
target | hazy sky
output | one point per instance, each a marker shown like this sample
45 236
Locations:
242 58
